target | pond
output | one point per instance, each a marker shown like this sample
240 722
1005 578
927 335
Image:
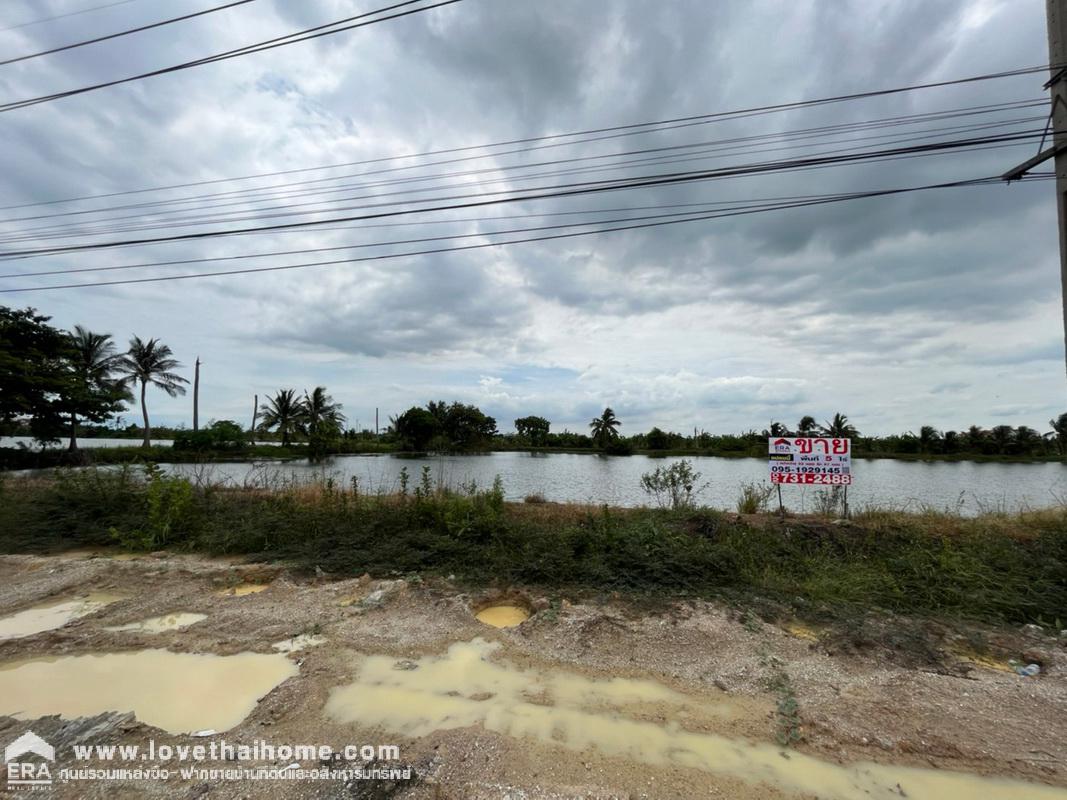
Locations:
964 486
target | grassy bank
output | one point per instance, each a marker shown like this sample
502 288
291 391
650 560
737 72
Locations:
994 568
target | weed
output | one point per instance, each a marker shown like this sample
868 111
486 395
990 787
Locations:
673 487
753 498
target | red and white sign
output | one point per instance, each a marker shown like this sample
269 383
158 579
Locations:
820 460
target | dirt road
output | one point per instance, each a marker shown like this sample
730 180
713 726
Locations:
593 699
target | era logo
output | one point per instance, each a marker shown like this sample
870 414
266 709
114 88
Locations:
28 773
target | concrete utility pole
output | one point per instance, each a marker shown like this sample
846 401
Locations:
196 396
255 412
1056 17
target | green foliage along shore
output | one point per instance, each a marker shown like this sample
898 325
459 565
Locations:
995 568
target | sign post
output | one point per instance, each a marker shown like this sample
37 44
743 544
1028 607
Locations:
821 460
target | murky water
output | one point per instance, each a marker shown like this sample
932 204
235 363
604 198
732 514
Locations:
178 692
167 622
615 480
297 643
503 616
464 688
241 589
55 614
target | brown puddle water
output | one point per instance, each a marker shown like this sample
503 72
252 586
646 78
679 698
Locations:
55 614
503 616
168 622
300 642
443 693
178 692
241 589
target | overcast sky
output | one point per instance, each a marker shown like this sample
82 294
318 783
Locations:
938 308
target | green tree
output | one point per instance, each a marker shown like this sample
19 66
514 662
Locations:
604 428
533 429
415 428
151 363
94 393
1002 436
807 426
466 427
1026 440
657 439
839 428
321 420
928 438
1059 432
33 372
777 429
283 412
975 438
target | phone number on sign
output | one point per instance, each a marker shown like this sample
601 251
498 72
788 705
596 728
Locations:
834 480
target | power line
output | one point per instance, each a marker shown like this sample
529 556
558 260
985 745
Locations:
633 128
62 16
127 32
826 132
432 251
259 47
566 190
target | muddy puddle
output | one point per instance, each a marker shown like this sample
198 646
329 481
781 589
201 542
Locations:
241 589
297 643
503 616
167 622
55 614
178 692
464 688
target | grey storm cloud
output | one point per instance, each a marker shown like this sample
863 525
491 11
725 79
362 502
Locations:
716 321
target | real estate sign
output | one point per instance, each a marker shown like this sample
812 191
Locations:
820 460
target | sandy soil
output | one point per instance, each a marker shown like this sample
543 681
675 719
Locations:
874 705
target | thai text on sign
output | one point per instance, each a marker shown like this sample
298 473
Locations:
819 460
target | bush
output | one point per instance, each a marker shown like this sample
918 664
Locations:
753 498
674 486
224 434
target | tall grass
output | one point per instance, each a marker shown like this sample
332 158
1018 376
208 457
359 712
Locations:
996 567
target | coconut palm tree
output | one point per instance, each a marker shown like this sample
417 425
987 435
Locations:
284 411
95 392
603 427
807 426
1059 432
151 362
322 420
839 427
928 437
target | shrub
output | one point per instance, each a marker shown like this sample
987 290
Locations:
221 435
673 486
753 498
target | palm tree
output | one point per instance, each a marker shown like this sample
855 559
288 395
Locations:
93 362
320 411
1002 436
928 436
839 428
1059 431
1026 439
147 363
975 436
604 426
777 429
807 426
322 420
284 411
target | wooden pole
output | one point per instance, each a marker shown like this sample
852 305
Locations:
196 396
781 508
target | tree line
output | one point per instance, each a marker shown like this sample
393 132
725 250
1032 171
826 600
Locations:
54 382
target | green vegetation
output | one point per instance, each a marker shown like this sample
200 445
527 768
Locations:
151 364
994 568
57 383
